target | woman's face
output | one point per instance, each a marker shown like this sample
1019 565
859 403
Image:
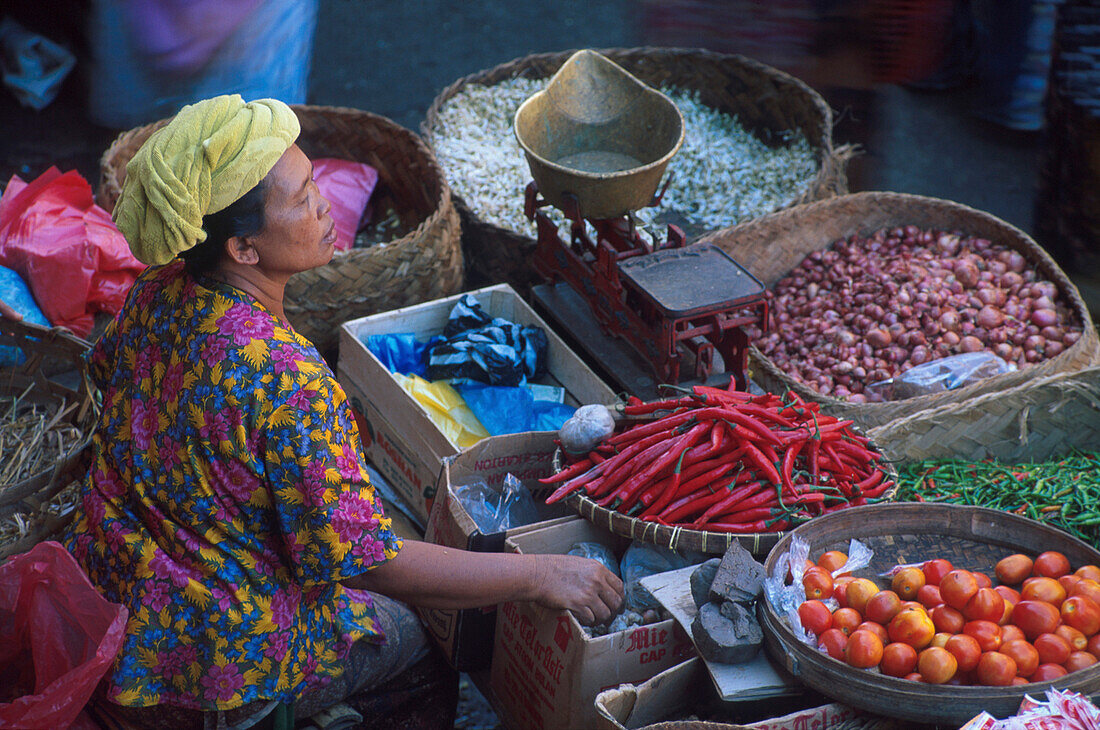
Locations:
298 232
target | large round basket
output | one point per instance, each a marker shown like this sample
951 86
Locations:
423 265
972 538
771 246
45 428
764 100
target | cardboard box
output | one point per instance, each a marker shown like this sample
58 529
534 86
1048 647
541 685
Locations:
466 637
399 438
677 691
547 671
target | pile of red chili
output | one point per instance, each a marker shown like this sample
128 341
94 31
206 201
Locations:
728 461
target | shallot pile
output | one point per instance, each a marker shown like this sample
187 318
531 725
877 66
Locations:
868 309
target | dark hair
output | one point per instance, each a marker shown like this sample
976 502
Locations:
243 217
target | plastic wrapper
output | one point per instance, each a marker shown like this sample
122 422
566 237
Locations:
587 427
498 510
14 293
480 348
34 66
400 352
445 408
58 638
1062 710
642 559
66 248
347 185
939 375
785 597
598 552
505 409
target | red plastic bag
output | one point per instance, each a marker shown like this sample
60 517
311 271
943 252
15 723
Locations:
58 638
66 248
348 186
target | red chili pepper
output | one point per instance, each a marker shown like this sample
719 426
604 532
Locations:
741 497
757 458
569 472
596 457
749 527
631 489
697 502
658 405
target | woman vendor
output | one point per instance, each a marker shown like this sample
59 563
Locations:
227 505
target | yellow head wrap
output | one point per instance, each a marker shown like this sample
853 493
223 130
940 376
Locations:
206 158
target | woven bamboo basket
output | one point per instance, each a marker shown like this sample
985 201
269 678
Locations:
423 265
763 98
972 538
771 246
36 506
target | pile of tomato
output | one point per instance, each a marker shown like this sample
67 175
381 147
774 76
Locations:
941 625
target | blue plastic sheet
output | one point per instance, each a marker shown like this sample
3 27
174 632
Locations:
504 409
14 293
400 353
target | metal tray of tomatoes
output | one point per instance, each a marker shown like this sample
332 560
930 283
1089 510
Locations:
973 538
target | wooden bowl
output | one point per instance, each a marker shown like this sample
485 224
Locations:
973 538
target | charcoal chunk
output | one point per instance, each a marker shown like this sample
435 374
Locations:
701 578
739 577
720 639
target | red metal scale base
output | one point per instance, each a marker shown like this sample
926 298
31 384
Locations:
657 297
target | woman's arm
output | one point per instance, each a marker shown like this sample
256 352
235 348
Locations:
433 576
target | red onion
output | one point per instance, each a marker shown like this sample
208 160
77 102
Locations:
878 338
1044 317
990 317
971 344
1053 348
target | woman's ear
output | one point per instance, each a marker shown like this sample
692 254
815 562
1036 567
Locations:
242 250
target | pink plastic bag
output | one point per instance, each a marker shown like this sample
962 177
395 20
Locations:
66 248
58 638
348 186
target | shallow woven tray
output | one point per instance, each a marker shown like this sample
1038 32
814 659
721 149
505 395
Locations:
62 352
424 264
763 98
771 246
973 538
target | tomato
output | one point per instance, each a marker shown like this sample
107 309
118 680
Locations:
940 639
914 628
987 633
935 570
858 592
864 650
958 587
832 642
846 619
1009 594
818 584
913 606
929 596
898 659
1076 640
1082 614
1094 645
815 616
907 582
1044 589
832 560
1068 581
1079 660
1011 632
985 605
1013 569
983 580
875 628
1024 654
1087 588
840 589
937 665
1089 572
947 619
1019 681
1051 564
1035 617
966 650
882 607
1052 648
995 669
1047 672
914 677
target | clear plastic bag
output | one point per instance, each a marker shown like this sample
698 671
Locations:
498 510
937 376
642 559
598 552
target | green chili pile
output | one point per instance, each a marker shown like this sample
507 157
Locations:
1064 493
727 461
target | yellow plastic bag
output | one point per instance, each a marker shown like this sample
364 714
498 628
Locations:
446 409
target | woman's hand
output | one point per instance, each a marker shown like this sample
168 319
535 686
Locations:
8 313
584 586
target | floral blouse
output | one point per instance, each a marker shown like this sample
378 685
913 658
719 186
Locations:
226 497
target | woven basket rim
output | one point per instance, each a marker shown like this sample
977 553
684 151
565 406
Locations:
1035 253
